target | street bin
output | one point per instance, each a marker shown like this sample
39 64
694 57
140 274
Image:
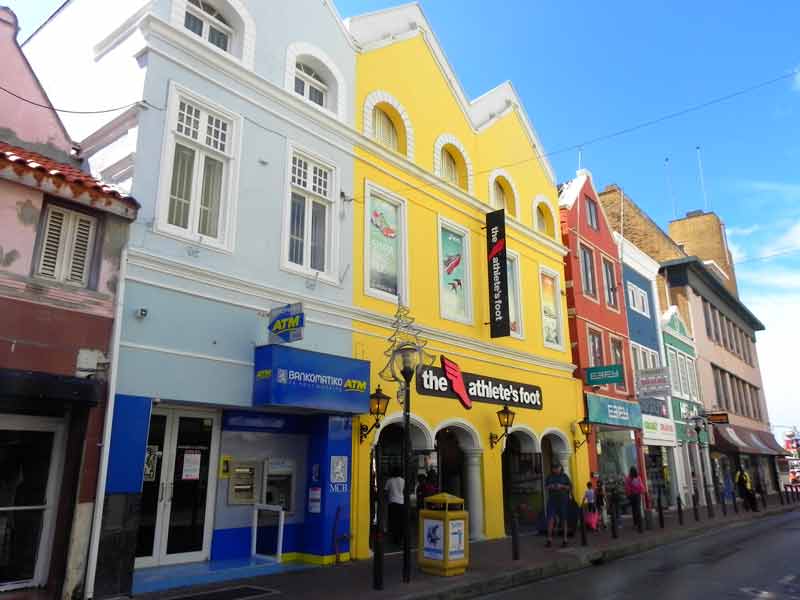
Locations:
443 536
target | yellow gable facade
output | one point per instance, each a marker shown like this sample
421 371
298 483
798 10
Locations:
429 167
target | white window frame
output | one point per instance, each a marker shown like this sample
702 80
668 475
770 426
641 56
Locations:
331 273
208 22
594 297
674 373
606 284
66 247
308 82
560 316
638 300
683 373
589 331
514 266
370 189
443 222
229 192
691 372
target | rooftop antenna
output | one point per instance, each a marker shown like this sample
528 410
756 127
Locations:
580 156
702 180
668 173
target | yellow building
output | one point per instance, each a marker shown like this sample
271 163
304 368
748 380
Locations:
429 167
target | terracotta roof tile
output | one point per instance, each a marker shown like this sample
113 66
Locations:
70 174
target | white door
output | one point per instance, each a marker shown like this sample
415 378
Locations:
31 462
179 487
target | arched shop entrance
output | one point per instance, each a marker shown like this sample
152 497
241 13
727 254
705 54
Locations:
523 483
555 449
460 454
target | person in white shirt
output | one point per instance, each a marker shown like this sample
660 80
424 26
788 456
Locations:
394 492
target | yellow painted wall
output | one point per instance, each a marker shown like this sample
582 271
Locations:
409 72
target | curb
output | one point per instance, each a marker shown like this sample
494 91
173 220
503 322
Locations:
585 558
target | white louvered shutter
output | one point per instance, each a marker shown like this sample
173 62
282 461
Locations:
52 244
81 249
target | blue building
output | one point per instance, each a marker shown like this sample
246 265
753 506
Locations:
238 139
639 275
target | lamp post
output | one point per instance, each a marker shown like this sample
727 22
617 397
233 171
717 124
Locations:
586 428
378 402
699 423
506 418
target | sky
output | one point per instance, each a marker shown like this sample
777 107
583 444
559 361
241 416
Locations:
586 69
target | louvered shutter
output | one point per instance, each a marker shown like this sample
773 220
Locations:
52 243
81 250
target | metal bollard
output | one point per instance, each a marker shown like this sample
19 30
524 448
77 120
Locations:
582 525
780 495
709 505
680 510
723 504
763 500
660 510
735 504
614 532
514 537
695 507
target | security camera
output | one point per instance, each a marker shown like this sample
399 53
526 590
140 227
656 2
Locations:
141 313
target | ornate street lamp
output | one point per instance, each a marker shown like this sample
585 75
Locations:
586 428
406 352
378 402
506 419
700 424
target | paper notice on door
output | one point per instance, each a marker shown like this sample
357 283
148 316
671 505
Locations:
314 500
191 465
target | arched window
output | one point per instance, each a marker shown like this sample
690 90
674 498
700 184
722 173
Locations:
312 74
225 24
388 123
310 84
384 129
206 21
451 163
543 217
502 192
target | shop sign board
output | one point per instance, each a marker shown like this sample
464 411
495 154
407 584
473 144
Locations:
286 323
610 411
450 382
290 377
718 418
653 382
433 539
658 431
604 375
499 318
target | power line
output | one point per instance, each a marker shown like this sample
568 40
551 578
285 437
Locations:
783 252
78 112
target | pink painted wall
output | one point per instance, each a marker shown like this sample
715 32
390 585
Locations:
39 128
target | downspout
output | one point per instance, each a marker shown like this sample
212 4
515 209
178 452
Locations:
100 494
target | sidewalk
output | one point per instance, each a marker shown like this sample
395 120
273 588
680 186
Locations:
491 568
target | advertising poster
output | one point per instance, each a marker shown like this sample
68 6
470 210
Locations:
384 254
456 547
433 547
191 465
453 280
151 463
315 500
550 310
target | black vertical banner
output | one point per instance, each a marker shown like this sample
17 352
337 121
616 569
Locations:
499 319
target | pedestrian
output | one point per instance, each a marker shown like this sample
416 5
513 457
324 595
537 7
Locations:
558 488
600 502
394 493
634 488
589 503
745 486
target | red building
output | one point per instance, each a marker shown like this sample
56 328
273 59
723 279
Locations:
61 237
598 328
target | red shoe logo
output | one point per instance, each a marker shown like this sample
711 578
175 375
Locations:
453 373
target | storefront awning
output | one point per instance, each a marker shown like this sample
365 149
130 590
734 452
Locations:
42 390
732 438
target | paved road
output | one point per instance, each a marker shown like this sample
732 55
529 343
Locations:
757 560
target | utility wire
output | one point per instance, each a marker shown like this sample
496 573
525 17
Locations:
78 112
783 252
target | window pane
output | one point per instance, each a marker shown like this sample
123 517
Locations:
595 349
385 133
217 133
452 279
616 349
316 96
513 296
188 120
683 375
384 246
672 358
611 285
299 172
211 196
499 195
690 365
193 24
180 195
551 321
319 180
587 272
299 86
449 169
318 235
541 220
218 38
297 228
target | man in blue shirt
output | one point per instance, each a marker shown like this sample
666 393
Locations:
558 491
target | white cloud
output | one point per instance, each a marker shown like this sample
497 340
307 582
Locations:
768 279
742 231
777 189
786 242
796 79
737 252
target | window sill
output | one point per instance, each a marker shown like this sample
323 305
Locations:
383 296
559 347
196 240
309 274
